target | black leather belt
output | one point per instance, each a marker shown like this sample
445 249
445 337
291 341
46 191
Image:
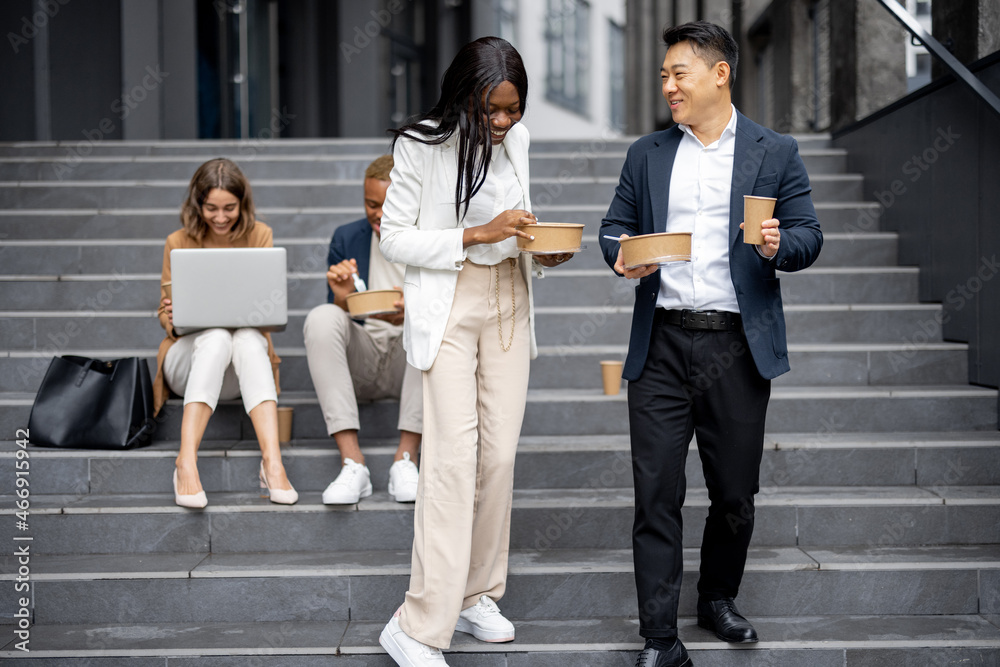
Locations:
700 320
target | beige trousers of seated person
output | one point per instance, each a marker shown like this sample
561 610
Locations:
474 398
348 364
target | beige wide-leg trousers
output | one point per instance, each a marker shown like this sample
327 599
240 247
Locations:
474 398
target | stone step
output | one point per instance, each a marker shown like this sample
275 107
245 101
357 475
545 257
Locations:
556 583
249 150
96 325
316 191
812 365
572 326
344 166
569 286
57 257
852 218
157 223
864 459
209 148
542 519
820 409
561 286
589 412
73 152
868 249
816 641
557 367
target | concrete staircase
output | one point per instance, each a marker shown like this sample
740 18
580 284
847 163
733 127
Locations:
878 525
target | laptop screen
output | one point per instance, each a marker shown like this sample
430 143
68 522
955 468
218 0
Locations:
229 288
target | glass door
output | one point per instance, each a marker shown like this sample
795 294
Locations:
237 69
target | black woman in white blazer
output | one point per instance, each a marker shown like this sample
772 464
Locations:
425 230
459 189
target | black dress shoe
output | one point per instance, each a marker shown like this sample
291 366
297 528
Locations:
677 656
722 618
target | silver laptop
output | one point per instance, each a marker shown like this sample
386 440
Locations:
229 288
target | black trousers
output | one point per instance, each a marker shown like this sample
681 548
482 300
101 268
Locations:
706 383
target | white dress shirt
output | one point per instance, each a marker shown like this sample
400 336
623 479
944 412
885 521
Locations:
700 187
500 192
382 274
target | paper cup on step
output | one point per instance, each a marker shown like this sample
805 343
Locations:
755 211
285 424
611 373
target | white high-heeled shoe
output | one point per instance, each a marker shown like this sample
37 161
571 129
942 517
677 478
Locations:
279 496
195 501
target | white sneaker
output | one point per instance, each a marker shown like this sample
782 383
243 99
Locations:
403 478
485 622
352 484
406 650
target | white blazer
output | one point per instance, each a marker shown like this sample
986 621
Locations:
420 229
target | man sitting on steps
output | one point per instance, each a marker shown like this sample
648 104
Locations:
349 361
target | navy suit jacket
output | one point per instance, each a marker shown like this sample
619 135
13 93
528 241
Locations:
766 164
351 241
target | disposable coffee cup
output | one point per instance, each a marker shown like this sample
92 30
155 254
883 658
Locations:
165 289
284 424
755 211
611 373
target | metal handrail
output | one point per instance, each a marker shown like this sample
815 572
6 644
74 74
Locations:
942 54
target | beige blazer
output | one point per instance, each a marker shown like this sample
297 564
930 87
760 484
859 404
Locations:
420 229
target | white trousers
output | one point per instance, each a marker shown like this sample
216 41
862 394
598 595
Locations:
221 364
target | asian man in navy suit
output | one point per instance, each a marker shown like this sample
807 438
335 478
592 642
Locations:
707 335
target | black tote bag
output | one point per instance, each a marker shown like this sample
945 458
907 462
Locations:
90 403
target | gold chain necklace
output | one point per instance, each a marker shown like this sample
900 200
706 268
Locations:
513 311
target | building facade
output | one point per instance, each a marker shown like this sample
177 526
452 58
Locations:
262 69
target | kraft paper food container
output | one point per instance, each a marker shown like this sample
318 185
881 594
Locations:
373 302
551 237
611 374
755 211
656 249
284 424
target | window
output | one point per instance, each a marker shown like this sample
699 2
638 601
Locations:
616 72
506 19
568 38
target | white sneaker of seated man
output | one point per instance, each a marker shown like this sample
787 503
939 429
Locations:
406 650
352 484
403 478
484 621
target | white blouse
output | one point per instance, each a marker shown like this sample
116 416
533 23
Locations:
500 192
